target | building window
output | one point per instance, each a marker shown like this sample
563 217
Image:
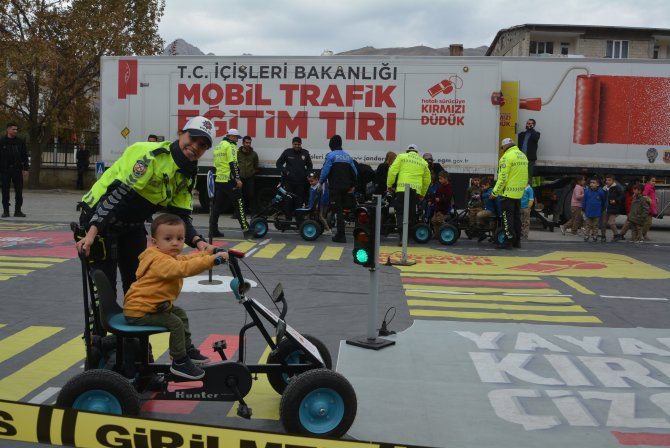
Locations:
565 48
656 50
537 47
617 49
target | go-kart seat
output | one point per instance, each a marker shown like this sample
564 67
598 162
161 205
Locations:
111 314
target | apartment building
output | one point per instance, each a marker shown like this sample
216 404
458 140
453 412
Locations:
591 41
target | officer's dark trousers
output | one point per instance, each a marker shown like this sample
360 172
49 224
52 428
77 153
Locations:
123 249
511 214
16 178
224 195
298 190
338 198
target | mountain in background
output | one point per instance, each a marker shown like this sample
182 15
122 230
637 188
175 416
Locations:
183 48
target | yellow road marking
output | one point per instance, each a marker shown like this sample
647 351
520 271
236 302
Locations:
269 250
300 251
6 277
244 247
262 398
505 316
19 384
458 288
44 259
24 265
3 325
488 297
15 271
331 253
160 343
24 339
498 306
577 286
470 276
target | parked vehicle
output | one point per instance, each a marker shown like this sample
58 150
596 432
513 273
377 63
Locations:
593 114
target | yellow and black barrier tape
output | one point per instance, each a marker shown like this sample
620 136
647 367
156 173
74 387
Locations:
67 427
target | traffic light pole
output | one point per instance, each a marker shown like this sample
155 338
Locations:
371 341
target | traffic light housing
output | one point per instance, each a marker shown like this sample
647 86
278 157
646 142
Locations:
364 236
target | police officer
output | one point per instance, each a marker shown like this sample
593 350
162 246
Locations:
340 171
13 164
228 184
294 164
148 176
409 168
512 181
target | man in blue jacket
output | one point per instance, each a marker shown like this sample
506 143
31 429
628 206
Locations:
341 173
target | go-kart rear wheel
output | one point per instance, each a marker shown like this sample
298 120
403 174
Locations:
259 227
318 402
100 390
421 233
290 353
309 230
448 234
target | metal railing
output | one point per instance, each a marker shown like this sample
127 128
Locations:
65 155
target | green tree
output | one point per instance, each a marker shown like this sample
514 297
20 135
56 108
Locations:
51 52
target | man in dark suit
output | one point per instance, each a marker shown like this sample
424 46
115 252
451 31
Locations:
528 144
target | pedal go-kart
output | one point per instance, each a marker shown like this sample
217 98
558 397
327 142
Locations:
305 221
315 400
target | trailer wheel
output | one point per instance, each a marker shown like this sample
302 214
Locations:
290 353
318 402
100 390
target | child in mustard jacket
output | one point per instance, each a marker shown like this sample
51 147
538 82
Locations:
160 274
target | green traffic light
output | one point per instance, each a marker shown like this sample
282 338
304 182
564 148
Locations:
361 256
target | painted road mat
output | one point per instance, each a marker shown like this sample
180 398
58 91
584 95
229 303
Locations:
472 384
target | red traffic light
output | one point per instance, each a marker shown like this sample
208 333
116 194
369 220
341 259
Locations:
362 216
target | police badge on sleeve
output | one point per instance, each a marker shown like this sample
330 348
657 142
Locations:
139 168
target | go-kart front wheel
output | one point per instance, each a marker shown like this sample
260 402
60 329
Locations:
448 234
100 390
309 230
289 352
318 402
259 227
421 233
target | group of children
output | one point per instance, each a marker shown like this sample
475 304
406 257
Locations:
601 206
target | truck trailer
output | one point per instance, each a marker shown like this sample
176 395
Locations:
595 116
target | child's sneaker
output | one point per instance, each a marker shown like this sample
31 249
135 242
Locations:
562 227
186 369
196 356
328 232
594 238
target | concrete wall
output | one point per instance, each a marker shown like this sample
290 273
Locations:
64 178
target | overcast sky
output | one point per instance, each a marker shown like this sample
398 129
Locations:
308 27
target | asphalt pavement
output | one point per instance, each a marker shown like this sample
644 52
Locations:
561 343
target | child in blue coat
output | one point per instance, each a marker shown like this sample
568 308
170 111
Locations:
593 204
